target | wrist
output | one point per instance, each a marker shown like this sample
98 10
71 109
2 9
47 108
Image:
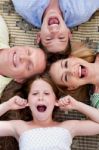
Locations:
78 106
7 106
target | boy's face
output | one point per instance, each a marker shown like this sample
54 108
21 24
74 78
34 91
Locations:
21 62
54 33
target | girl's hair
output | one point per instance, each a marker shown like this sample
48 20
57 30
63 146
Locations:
27 85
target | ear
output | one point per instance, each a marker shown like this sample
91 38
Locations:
19 80
69 34
38 38
72 88
56 103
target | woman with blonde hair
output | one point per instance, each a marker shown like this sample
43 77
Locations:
80 69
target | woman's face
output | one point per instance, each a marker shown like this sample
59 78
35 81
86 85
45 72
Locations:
72 72
41 100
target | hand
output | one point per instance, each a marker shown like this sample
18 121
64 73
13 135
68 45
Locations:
67 103
17 102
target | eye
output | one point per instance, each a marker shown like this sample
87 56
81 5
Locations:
48 39
29 66
35 93
66 64
61 37
47 93
66 77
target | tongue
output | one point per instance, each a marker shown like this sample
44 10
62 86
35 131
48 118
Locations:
41 108
53 21
83 72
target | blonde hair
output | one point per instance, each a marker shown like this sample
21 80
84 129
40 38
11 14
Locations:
84 53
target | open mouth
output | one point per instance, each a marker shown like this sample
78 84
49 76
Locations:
41 108
53 20
83 71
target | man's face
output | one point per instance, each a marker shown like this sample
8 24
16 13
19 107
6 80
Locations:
21 62
54 33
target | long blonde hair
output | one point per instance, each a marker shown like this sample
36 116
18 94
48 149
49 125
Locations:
84 53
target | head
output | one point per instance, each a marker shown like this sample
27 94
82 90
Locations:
54 34
42 96
72 72
21 63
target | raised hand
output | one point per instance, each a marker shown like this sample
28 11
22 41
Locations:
67 103
17 102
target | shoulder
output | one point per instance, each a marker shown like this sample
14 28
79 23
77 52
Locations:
19 127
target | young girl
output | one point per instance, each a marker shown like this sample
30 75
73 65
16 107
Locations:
43 132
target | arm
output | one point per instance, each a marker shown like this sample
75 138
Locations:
69 103
14 103
82 128
7 128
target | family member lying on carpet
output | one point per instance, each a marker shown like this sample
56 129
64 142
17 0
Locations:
41 132
18 63
79 69
55 17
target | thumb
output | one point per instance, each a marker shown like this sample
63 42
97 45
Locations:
57 104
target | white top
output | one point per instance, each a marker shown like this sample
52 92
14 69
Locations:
50 138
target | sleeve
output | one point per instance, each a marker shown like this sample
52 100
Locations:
94 99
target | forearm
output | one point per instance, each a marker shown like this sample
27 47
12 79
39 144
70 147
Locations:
4 107
89 111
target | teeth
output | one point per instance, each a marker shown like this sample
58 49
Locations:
53 20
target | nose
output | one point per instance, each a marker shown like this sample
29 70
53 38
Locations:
24 58
54 29
40 97
71 71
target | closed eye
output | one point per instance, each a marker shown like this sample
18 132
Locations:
61 37
48 39
46 93
29 66
35 93
66 64
66 77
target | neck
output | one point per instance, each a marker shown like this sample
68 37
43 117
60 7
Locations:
95 74
43 123
53 5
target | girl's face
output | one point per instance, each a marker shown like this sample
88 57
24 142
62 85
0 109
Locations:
72 72
41 100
